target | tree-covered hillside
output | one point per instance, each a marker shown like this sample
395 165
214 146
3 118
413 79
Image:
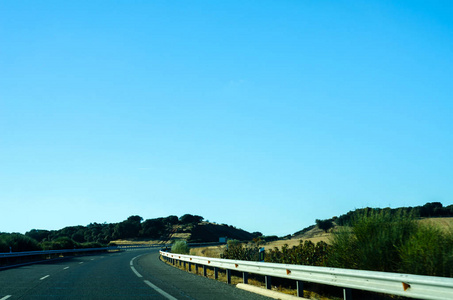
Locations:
131 228
134 227
428 210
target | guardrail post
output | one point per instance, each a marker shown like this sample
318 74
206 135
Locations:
190 267
347 294
196 269
300 288
268 280
216 273
228 273
184 265
204 271
245 277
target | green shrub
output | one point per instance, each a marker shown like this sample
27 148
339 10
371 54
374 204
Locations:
18 243
344 245
429 251
60 244
91 245
373 242
236 250
180 247
306 253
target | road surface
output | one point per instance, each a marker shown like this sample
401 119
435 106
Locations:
136 274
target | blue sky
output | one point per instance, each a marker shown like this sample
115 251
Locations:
262 114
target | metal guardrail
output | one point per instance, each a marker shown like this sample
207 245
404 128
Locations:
47 252
134 246
166 245
407 285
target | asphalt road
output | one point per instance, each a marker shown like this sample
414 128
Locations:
135 274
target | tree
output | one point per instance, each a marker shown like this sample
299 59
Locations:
37 234
190 219
324 224
129 228
172 220
153 228
431 209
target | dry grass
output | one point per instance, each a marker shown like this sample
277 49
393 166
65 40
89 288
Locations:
213 251
180 236
137 242
295 242
443 223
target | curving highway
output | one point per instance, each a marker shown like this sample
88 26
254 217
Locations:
137 274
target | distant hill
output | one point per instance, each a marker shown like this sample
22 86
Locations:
210 232
159 230
429 210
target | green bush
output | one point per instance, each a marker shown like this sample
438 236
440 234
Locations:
373 242
236 250
18 243
392 242
429 251
306 253
60 244
344 245
180 247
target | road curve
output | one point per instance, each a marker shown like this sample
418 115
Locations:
135 274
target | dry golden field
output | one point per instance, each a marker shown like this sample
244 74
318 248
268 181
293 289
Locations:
444 223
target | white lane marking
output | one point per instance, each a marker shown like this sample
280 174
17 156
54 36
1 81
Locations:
63 269
136 273
6 297
80 262
160 291
42 278
131 263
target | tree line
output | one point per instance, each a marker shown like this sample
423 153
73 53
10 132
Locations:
428 210
95 234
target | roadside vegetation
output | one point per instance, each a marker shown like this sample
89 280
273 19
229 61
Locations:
370 239
180 247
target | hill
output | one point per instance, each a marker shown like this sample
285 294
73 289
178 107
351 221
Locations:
134 229
211 232
433 213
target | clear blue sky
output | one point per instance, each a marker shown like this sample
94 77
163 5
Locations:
265 115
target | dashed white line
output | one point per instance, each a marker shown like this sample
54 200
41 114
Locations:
131 263
66 268
80 262
160 291
6 297
136 273
42 278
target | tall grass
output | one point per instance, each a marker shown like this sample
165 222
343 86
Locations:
428 252
383 241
